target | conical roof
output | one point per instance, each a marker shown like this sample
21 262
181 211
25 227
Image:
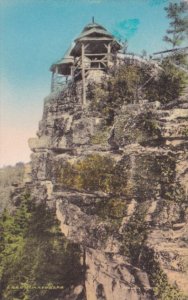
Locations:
94 29
93 25
94 33
63 63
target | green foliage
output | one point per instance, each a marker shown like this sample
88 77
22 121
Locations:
148 126
94 173
98 96
163 290
179 59
125 83
169 85
102 173
165 169
161 179
35 254
129 83
8 176
113 209
97 173
177 13
91 173
137 127
121 87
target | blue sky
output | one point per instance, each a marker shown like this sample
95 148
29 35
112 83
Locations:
35 33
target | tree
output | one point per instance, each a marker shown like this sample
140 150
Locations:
34 253
178 24
169 84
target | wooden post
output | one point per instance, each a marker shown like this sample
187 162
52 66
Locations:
52 82
72 71
83 76
109 52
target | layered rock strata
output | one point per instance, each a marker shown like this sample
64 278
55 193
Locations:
103 179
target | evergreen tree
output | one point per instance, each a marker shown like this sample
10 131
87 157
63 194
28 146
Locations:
34 253
177 13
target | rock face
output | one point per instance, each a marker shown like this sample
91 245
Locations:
120 191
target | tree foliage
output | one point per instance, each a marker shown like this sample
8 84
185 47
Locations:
177 13
36 261
8 176
169 85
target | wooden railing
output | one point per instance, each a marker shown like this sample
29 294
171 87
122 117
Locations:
93 62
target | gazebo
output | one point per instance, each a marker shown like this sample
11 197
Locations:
92 50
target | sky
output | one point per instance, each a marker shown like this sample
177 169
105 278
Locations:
36 33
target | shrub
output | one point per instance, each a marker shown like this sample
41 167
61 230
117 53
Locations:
129 83
120 88
169 85
124 85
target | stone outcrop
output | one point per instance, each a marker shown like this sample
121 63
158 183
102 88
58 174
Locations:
146 179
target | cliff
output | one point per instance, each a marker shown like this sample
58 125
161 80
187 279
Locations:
120 191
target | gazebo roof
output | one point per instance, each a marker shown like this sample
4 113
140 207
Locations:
64 62
94 32
94 29
93 25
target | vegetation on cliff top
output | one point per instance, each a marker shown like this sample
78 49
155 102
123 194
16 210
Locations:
129 83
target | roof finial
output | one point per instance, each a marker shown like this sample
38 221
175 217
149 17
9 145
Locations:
93 20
